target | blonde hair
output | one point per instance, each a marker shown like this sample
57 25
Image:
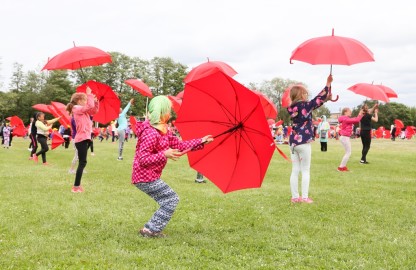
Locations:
75 98
296 93
346 109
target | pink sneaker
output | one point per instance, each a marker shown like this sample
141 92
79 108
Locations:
307 200
35 158
296 200
46 164
77 189
341 169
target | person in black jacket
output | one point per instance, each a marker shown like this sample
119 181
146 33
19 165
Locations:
370 115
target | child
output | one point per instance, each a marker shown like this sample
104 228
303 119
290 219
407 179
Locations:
6 135
42 131
121 129
155 144
366 129
323 129
300 112
346 123
82 107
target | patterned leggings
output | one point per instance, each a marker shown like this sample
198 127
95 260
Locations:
167 200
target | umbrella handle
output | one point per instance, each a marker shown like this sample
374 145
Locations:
334 100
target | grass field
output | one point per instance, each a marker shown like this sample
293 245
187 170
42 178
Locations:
363 219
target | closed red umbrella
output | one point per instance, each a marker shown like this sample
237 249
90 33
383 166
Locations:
109 102
239 156
208 68
78 57
369 90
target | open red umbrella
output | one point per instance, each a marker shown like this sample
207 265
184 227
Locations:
78 57
61 111
176 103
208 68
369 90
42 108
239 156
286 98
140 87
109 102
19 127
180 94
57 139
332 50
269 108
389 92
133 123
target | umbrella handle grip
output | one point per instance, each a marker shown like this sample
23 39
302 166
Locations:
336 99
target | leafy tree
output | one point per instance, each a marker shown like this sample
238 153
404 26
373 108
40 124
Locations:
17 78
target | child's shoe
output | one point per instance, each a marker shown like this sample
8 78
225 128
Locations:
341 169
145 232
35 158
307 200
296 200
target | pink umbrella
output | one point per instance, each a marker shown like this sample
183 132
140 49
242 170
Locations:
208 68
369 90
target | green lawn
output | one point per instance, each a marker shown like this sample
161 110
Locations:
363 219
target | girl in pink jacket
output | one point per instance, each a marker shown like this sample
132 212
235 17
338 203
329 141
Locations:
82 107
346 123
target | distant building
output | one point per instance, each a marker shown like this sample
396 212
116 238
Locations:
333 119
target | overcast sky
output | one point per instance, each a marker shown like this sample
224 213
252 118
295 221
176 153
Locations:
255 37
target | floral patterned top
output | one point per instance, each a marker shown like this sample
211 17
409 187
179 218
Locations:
301 115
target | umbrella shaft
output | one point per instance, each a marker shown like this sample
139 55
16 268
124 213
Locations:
240 125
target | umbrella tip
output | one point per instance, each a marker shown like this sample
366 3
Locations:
74 43
332 31
208 59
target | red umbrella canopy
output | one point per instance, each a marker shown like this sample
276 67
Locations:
332 50
399 124
269 108
140 87
180 94
239 156
42 108
109 102
208 68
78 57
286 98
133 123
61 111
369 90
389 92
176 103
57 139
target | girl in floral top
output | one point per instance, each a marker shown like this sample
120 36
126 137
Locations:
155 144
300 112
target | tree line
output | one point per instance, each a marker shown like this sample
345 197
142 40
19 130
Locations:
163 75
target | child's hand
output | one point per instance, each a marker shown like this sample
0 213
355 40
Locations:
88 90
207 139
173 154
132 101
329 80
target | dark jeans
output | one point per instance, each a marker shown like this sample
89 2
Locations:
44 147
366 141
82 148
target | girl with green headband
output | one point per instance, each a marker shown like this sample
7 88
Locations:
155 145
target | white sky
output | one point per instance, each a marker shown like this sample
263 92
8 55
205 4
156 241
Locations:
255 37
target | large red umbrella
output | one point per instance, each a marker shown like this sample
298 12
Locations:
61 111
19 127
78 57
109 102
57 139
399 124
369 90
239 156
269 108
42 108
208 68
176 103
332 50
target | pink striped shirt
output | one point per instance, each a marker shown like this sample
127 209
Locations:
150 159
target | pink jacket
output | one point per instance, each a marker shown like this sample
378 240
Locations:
82 117
346 123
